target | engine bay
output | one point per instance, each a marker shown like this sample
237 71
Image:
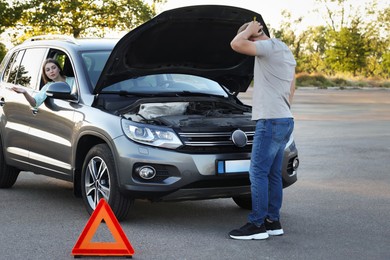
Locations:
191 114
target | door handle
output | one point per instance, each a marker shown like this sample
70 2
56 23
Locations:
34 111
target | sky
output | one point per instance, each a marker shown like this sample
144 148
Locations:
271 11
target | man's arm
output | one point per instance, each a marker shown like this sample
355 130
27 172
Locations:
292 91
242 43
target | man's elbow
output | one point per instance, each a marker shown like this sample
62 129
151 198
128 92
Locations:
239 48
234 46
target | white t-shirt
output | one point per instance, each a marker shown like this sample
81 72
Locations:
274 71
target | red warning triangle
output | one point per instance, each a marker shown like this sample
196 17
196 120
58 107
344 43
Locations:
85 246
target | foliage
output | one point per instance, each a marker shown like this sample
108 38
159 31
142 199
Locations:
82 18
346 51
313 45
378 42
9 14
304 79
323 81
341 82
3 51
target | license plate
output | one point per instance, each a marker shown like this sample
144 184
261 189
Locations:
233 166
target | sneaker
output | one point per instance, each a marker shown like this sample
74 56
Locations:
249 231
273 228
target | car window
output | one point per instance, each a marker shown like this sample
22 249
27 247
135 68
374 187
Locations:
168 83
30 68
4 62
65 63
7 66
13 66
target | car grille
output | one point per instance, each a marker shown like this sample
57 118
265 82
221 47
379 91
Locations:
213 142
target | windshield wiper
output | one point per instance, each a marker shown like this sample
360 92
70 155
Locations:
126 93
190 93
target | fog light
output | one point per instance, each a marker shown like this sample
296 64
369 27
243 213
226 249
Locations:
295 163
147 172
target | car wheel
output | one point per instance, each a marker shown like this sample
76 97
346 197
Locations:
243 201
98 181
8 174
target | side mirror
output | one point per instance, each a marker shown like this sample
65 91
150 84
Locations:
61 90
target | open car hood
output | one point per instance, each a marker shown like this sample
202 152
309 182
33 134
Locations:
189 40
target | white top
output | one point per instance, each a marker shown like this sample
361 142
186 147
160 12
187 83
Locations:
274 71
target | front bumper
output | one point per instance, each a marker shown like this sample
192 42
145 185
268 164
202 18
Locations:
182 176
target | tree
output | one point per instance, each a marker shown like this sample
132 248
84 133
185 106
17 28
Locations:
383 56
336 12
313 49
9 14
368 37
347 50
86 17
385 65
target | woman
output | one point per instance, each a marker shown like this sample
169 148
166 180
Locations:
51 72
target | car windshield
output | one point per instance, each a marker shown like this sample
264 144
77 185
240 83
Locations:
167 84
94 62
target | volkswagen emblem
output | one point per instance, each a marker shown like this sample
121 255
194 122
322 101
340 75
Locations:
239 138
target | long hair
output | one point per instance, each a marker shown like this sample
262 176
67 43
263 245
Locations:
50 60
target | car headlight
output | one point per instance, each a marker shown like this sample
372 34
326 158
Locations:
151 135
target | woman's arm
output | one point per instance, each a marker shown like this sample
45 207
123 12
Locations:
28 97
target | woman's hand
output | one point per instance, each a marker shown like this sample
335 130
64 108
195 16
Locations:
23 91
18 89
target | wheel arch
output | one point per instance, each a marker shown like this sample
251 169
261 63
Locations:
84 144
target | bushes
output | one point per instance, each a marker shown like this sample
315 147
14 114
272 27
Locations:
320 81
317 80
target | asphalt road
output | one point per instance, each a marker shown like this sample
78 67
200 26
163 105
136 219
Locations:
338 209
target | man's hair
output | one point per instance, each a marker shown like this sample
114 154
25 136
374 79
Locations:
242 28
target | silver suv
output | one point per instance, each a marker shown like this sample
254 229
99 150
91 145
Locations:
152 116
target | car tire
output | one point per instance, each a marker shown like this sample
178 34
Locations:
243 201
98 180
8 174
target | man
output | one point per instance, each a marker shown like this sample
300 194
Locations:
274 85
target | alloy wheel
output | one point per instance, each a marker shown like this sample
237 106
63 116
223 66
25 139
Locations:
97 181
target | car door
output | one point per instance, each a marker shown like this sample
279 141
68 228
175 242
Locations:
52 129
16 113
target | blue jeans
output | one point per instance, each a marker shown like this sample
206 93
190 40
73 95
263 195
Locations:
265 172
